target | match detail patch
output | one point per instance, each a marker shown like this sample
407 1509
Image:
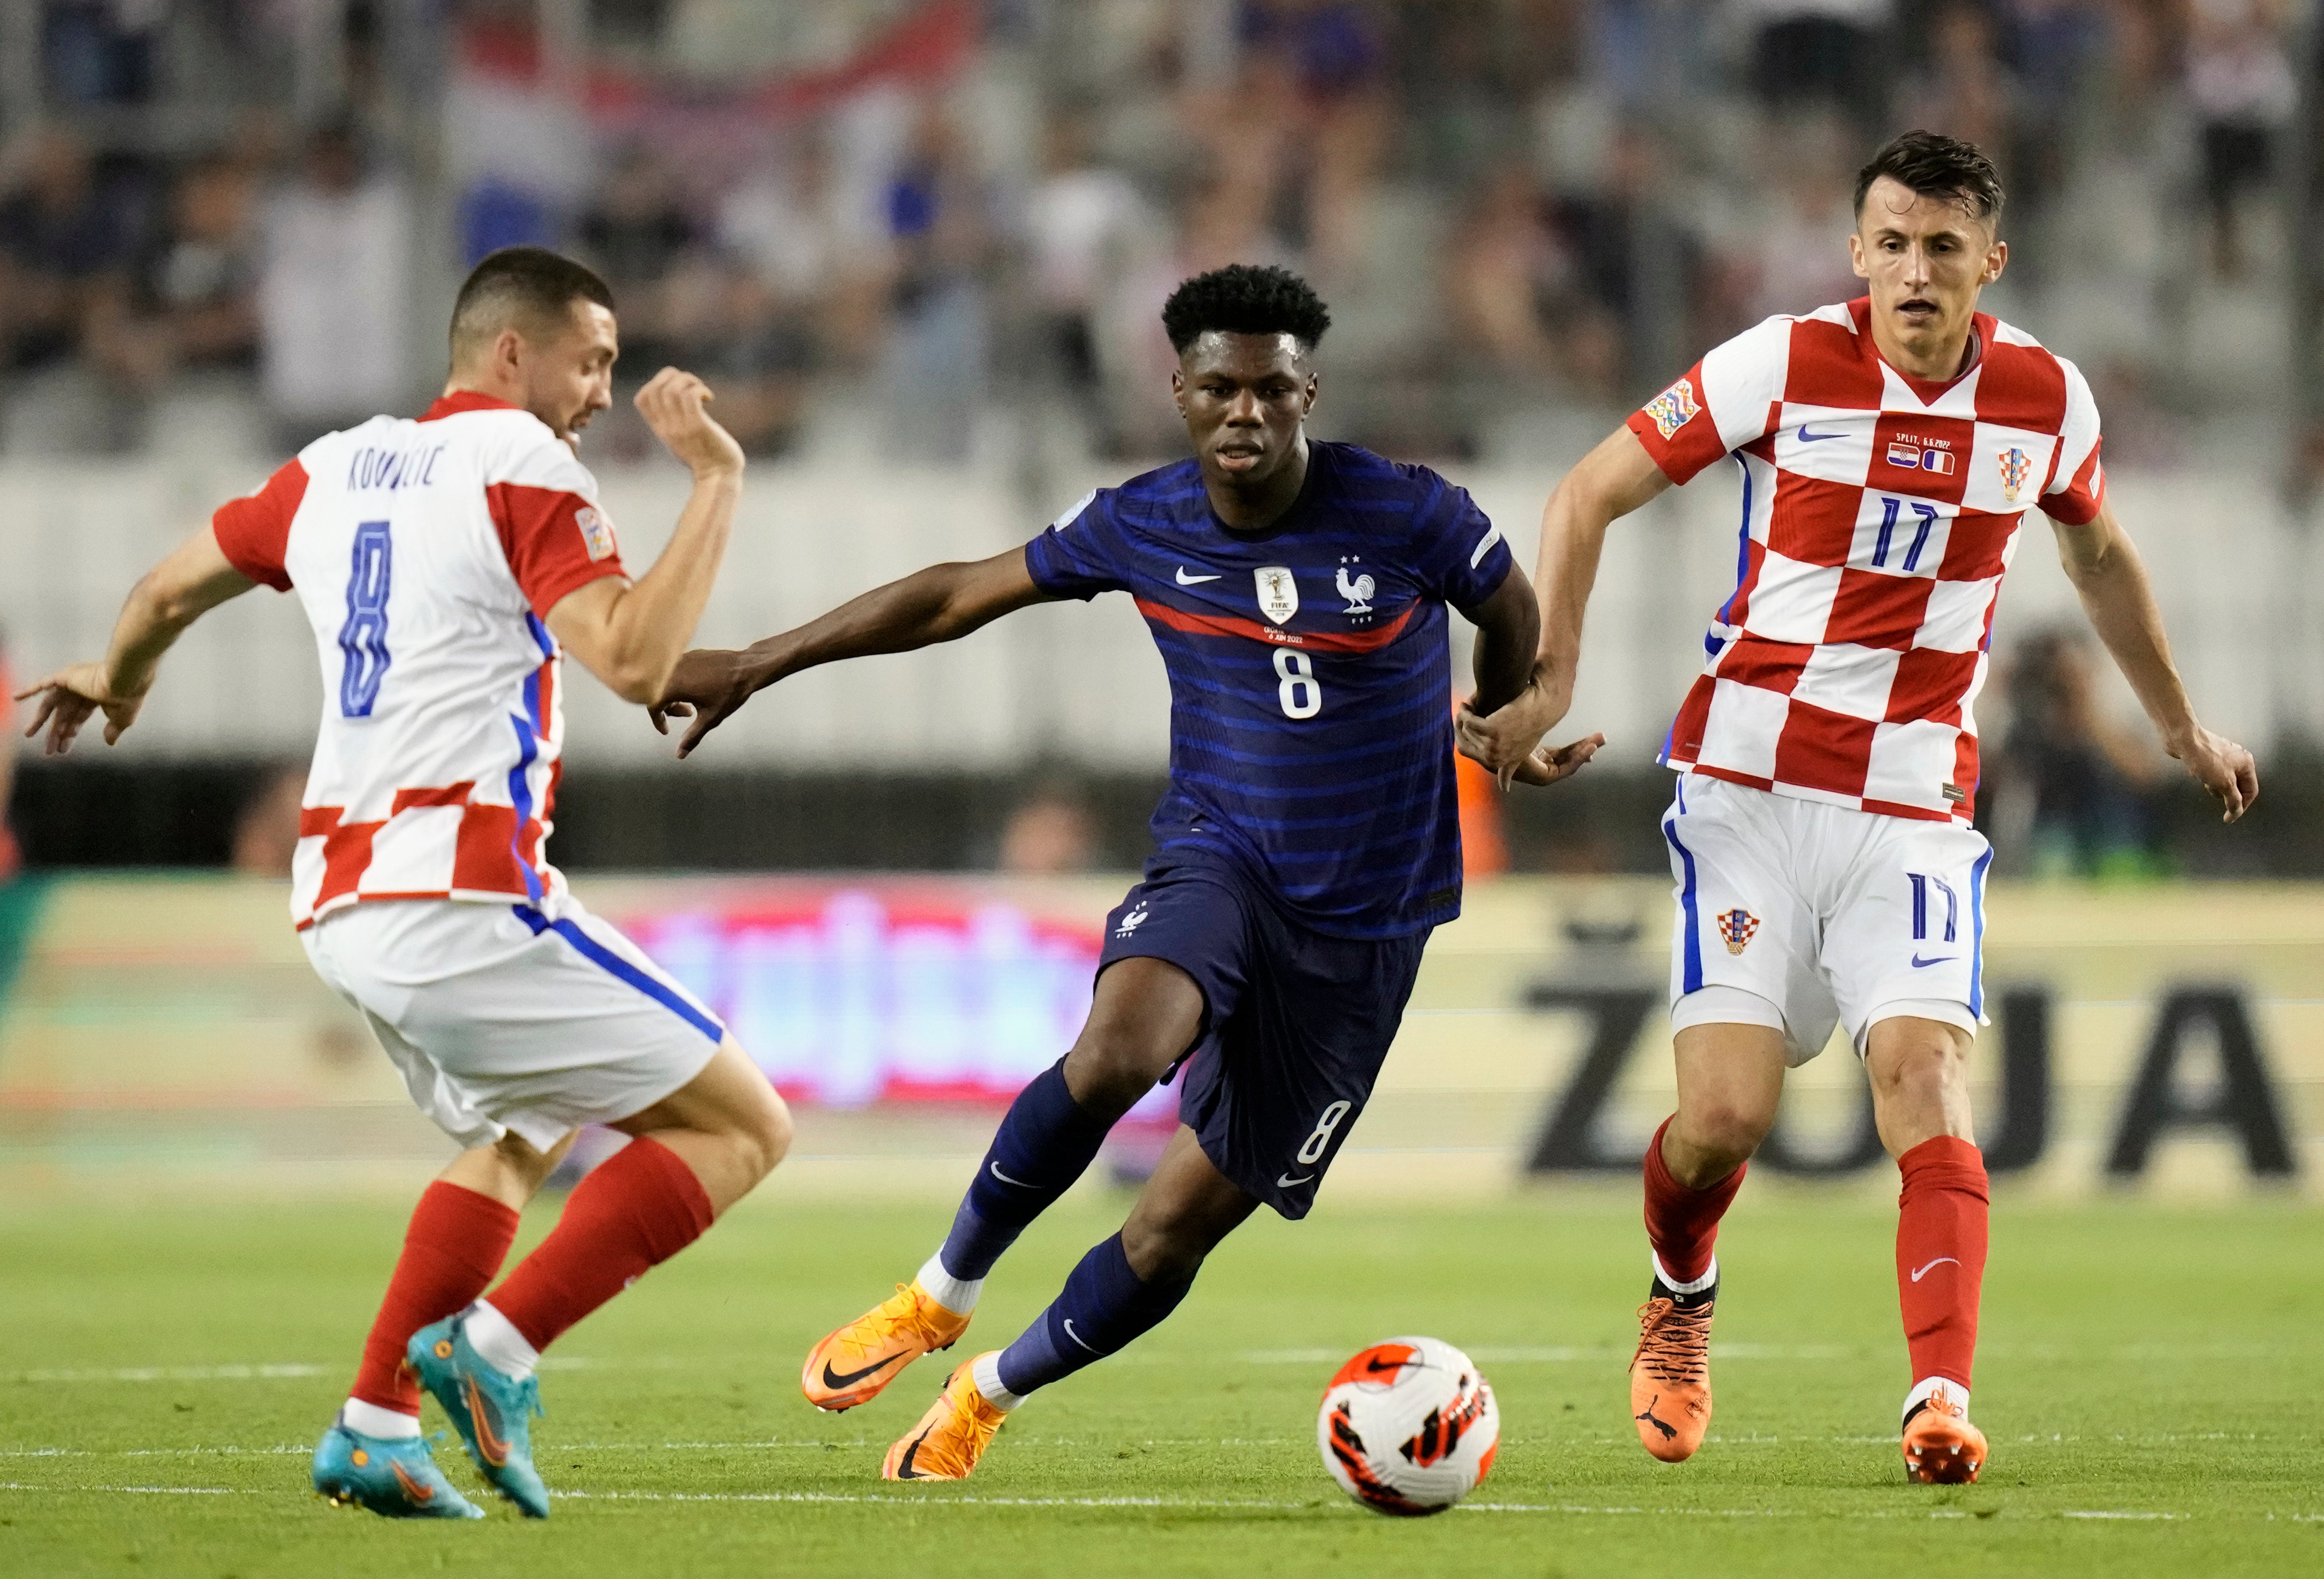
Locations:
596 532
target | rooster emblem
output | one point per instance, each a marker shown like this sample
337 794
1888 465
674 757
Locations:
1358 592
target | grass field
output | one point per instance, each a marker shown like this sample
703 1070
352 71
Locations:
2149 1378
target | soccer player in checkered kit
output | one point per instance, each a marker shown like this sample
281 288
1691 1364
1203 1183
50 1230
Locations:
1890 448
448 564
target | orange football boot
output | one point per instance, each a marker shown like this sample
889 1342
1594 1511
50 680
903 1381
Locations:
949 1437
851 1365
1670 1378
1941 1448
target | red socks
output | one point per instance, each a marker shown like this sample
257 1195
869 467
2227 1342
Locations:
1941 1234
451 1252
642 1207
1683 1223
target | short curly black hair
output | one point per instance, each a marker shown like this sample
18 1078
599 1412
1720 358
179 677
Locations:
1245 299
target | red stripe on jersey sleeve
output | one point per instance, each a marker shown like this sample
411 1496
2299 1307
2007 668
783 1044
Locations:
1678 428
2077 502
254 532
555 539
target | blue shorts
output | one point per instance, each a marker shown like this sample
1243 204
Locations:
1294 1027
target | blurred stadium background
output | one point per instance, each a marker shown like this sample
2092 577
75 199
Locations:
920 246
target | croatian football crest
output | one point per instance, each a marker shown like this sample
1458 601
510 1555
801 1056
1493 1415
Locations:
1674 408
2016 467
1278 594
596 532
1736 927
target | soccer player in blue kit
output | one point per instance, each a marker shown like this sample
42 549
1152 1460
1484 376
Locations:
1308 842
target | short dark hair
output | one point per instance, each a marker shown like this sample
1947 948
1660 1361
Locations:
1934 165
1245 299
525 287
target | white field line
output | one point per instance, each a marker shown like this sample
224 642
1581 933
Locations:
1223 1504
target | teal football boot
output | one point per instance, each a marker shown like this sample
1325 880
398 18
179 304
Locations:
395 1477
492 1411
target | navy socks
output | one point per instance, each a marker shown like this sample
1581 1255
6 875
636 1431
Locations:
1103 1307
1047 1141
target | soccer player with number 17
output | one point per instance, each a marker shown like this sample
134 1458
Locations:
1827 870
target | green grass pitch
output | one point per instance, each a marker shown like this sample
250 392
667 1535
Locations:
2150 1379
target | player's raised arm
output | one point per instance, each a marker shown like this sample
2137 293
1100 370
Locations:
1612 480
193 580
629 636
940 604
2104 566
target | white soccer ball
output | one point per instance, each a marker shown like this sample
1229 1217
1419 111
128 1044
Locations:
1408 1427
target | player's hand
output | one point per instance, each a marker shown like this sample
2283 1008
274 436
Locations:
676 406
706 686
1547 765
69 698
1509 735
2221 766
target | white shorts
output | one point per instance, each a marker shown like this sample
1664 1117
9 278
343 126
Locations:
1798 915
502 1019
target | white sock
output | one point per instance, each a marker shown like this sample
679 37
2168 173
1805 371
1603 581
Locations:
986 1373
1709 1276
1921 1389
369 1420
503 1348
957 1295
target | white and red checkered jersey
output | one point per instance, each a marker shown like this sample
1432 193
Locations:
427 555
1879 514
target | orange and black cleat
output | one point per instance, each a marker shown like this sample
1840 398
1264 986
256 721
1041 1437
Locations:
1670 1376
1941 1448
949 1437
851 1365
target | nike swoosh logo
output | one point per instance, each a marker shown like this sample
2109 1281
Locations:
911 1451
1284 1181
1808 438
1186 580
834 1381
1077 1337
412 1488
1933 1265
1377 1369
488 1442
1920 963
1004 1179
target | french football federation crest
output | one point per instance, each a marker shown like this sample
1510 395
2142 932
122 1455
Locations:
1278 594
1358 592
596 532
1132 921
1673 408
1736 927
2016 467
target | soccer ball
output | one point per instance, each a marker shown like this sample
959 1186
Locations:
1408 1427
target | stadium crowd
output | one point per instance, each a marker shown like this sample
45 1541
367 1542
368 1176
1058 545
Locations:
1513 205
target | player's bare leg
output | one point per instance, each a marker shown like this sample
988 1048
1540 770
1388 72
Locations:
1144 1016
1919 1070
1731 1076
1121 1289
691 1155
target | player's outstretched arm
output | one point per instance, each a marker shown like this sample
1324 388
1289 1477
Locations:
940 604
1509 637
2106 571
1612 480
630 636
193 580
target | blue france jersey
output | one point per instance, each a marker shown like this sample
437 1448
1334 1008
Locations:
1311 684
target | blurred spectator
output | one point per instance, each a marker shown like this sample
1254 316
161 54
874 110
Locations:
932 366
1517 296
65 246
1050 832
1813 53
202 281
1799 260
266 832
1964 90
100 52
757 351
1077 225
789 223
2070 790
1322 61
636 235
2240 81
1634 261
334 296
